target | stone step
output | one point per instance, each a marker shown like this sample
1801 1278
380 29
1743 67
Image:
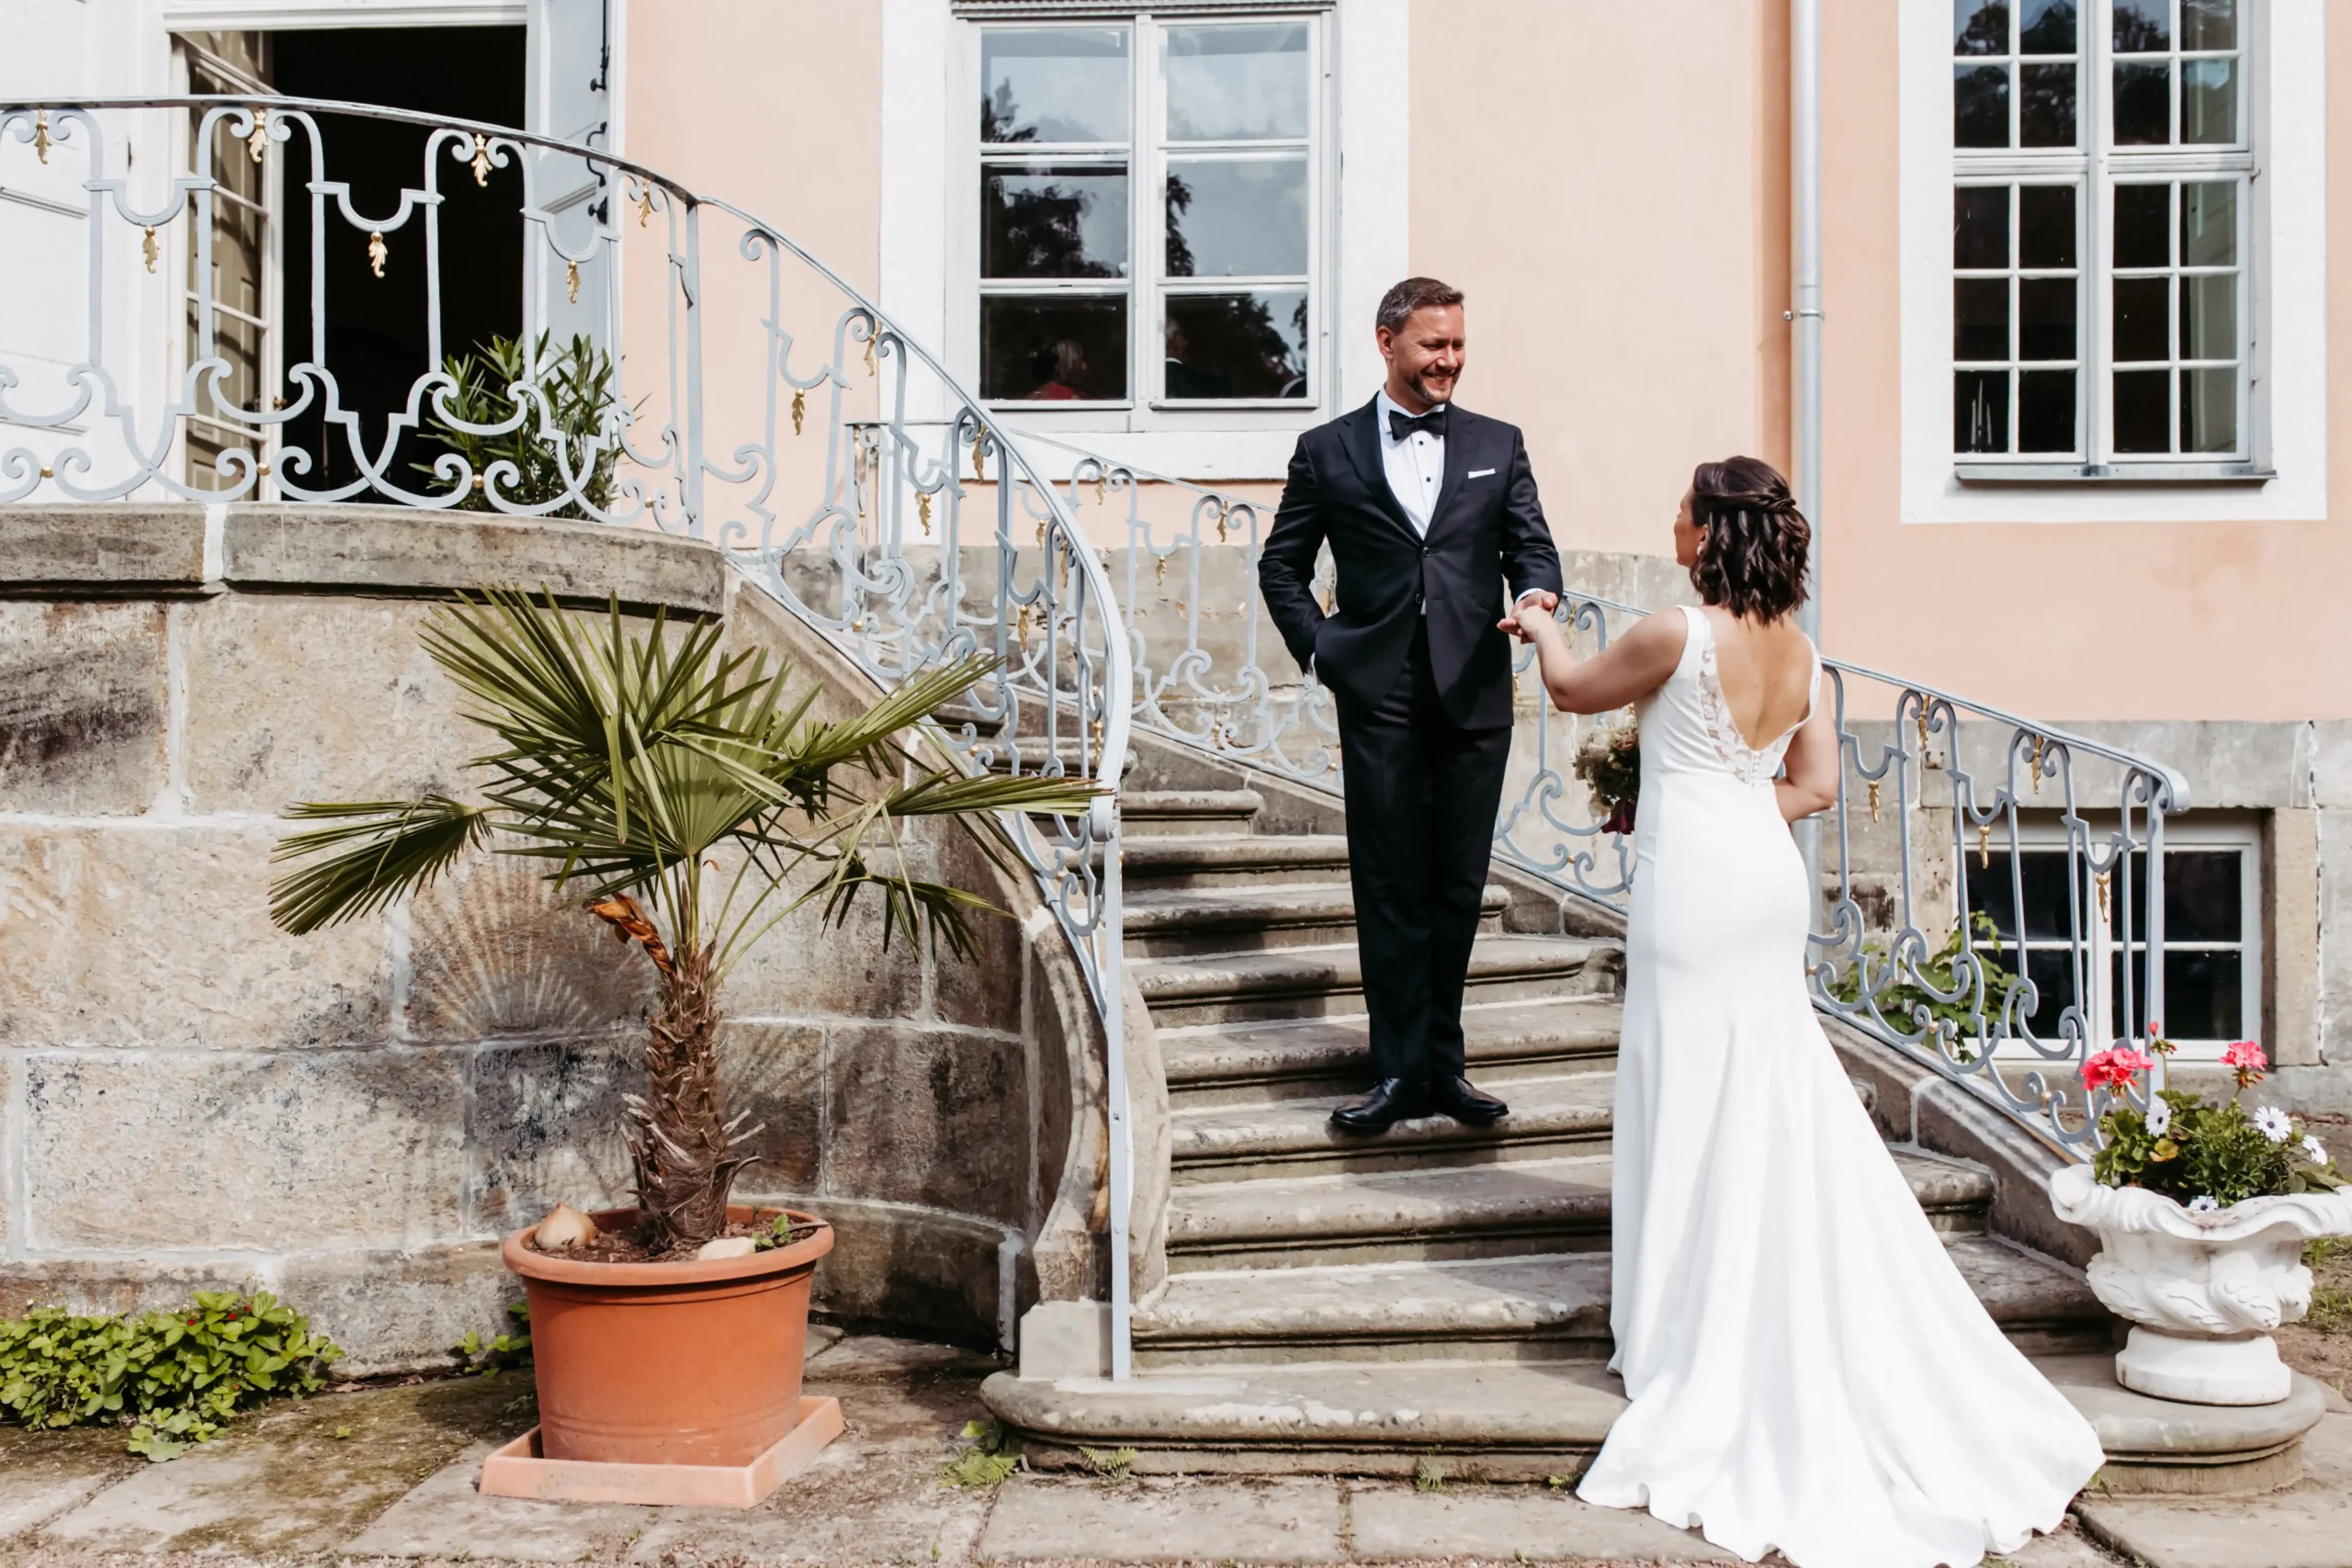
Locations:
1294 1137
1227 860
1164 921
1458 1211
1321 982
1543 1307
1189 812
1218 1063
1519 1421
1532 1421
1546 1307
1439 1214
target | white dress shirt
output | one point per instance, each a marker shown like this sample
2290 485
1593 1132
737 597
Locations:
1415 469
1416 465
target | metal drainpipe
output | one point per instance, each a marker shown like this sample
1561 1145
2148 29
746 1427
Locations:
1805 369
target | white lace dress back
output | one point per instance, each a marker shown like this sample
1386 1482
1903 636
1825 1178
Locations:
1806 1368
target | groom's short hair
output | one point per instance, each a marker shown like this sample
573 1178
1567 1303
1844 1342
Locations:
1398 304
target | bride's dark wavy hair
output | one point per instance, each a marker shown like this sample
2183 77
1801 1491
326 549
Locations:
1753 540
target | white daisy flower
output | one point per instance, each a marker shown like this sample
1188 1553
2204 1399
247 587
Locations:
2159 1116
2273 1124
2203 1205
2315 1150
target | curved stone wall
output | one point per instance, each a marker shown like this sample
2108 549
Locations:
194 1099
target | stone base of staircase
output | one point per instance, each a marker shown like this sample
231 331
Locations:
1314 1303
1544 1421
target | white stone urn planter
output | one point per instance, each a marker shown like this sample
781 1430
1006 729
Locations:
2204 1292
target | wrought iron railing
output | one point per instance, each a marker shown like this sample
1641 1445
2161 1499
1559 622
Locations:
1992 885
1994 888
703 374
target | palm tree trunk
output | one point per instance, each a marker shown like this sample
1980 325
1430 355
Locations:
679 1137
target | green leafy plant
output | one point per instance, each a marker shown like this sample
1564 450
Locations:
986 1453
2208 1156
781 1230
174 1377
1947 970
1112 1465
2330 1285
560 444
1429 1476
489 1357
682 795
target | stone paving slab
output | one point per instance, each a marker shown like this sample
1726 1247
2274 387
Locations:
44 1473
283 1488
285 1483
2308 1524
1394 1523
874 1496
448 1517
1166 1520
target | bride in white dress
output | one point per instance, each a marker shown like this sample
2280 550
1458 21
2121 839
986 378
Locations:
1806 1367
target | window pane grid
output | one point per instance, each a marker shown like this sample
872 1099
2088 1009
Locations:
2015 312
1200 291
1056 221
2176 310
2144 352
2177 73
2016 72
2209 952
1234 296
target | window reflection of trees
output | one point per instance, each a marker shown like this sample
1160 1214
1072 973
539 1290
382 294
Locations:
1038 230
1229 346
1000 115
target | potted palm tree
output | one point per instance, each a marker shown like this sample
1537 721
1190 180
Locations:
683 795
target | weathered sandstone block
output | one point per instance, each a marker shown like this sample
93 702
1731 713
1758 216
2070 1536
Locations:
160 936
169 1152
82 706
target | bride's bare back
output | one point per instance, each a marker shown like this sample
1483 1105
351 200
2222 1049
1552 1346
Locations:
1766 671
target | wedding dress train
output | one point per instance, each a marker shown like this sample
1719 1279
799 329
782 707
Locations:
1806 1367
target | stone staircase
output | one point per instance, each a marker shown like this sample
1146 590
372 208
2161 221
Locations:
1344 1303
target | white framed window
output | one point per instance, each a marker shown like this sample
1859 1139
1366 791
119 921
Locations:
2212 927
1149 212
2117 133
2112 302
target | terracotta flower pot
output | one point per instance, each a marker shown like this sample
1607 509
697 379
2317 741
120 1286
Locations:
668 1363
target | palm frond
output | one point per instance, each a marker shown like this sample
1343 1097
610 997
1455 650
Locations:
910 904
869 737
376 850
945 793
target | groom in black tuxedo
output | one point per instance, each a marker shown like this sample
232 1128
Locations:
1428 508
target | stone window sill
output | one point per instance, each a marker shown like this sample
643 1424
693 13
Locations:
2245 474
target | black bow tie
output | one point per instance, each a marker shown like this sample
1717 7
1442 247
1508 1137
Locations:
1401 425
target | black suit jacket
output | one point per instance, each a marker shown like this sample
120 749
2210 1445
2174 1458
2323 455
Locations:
1482 531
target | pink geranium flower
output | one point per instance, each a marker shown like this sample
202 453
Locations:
2115 1068
2245 1058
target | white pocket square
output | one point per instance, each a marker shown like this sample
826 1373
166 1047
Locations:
1479 473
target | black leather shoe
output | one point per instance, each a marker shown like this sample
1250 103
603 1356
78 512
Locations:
1465 1101
1391 1100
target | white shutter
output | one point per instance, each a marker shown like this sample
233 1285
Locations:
572 43
65 49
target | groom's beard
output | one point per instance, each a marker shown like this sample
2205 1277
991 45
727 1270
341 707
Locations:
1435 396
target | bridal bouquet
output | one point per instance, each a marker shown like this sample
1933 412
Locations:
2206 1157
1610 763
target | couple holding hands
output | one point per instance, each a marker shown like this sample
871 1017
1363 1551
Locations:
1806 1368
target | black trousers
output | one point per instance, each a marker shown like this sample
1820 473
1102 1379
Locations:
1421 795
